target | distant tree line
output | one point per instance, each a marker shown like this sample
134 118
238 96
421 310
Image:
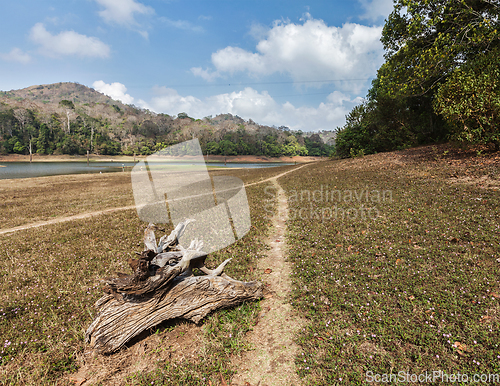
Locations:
440 80
23 128
73 129
272 145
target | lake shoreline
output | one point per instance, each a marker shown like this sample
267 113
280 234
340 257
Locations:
123 158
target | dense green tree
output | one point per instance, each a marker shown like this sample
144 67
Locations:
67 104
42 141
183 116
355 136
212 148
426 40
17 146
440 77
470 100
227 147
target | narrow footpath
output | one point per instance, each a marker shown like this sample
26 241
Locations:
271 362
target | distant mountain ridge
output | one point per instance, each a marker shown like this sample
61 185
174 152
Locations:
54 93
79 118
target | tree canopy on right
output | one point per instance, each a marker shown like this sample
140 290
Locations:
440 79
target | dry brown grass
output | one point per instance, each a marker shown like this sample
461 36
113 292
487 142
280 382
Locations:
49 281
27 200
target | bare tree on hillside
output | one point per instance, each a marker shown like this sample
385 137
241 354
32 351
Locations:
23 116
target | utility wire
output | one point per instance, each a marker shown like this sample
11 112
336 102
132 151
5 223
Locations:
265 83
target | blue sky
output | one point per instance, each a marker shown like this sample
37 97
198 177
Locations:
302 64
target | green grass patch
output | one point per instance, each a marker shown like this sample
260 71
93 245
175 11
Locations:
410 286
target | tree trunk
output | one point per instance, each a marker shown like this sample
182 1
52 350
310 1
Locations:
91 136
161 288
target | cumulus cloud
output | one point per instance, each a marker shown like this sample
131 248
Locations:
376 9
16 55
122 12
68 43
308 51
116 90
259 106
168 100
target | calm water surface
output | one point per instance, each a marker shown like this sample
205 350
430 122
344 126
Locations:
39 169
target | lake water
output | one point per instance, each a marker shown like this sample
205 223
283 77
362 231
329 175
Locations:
39 169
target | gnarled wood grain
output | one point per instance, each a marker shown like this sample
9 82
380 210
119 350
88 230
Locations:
161 288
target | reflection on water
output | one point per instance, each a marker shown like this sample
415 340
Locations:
39 169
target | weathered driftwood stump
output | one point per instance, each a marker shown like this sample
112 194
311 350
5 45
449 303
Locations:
163 287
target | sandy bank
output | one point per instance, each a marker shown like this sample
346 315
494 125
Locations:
121 158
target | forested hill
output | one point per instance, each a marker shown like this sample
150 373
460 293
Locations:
70 118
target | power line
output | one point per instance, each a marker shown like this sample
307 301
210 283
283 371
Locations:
267 83
299 95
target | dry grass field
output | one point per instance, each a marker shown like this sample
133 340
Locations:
397 265
49 281
396 262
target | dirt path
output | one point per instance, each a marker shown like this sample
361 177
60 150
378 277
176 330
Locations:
272 361
58 220
80 216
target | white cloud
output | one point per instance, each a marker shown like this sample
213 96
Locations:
168 100
233 59
258 31
182 24
16 55
308 51
116 90
376 9
123 11
205 74
258 106
68 43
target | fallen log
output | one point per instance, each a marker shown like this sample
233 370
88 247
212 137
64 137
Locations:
163 287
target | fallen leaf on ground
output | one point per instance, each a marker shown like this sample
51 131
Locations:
77 380
461 348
